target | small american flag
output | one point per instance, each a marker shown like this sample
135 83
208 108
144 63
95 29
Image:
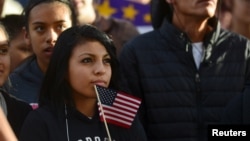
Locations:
119 108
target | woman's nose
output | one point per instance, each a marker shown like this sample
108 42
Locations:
51 37
99 68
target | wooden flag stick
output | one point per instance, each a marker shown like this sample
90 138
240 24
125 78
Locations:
104 118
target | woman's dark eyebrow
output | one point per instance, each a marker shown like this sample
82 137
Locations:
41 23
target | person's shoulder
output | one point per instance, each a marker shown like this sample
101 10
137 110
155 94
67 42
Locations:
27 74
43 111
142 43
145 38
233 40
233 36
23 66
15 103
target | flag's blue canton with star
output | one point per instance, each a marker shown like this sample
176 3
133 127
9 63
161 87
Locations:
107 96
138 14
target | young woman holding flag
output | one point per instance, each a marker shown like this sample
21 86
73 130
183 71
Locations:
83 58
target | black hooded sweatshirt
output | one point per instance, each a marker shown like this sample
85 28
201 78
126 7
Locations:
47 124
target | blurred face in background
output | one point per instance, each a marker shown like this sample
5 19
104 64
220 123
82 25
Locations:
241 10
194 8
19 50
85 11
4 57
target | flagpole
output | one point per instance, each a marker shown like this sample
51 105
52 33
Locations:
104 118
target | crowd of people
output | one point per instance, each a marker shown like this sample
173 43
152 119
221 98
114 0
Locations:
192 70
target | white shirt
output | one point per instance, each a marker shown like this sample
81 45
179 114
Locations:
198 52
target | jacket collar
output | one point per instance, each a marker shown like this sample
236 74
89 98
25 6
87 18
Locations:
167 30
178 40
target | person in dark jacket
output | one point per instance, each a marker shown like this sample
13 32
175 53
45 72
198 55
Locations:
44 22
83 57
15 110
237 111
186 70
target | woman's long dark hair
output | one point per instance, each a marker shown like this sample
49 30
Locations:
55 89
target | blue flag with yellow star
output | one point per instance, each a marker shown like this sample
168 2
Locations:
138 14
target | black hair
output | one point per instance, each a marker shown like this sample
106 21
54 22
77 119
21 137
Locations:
33 3
55 88
13 24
